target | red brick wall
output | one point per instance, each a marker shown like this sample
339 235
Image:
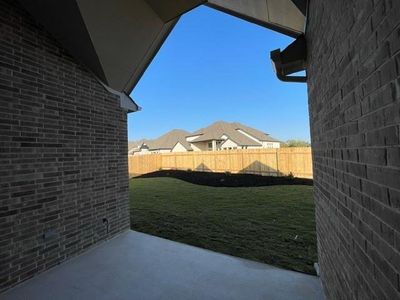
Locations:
354 102
63 152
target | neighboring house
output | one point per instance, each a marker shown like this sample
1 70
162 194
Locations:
136 146
218 136
223 135
172 141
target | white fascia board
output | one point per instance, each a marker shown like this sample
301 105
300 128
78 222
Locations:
126 102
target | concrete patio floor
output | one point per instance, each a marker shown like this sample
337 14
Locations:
134 265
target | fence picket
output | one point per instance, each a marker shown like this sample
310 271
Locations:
272 162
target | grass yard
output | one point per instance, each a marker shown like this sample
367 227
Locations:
270 224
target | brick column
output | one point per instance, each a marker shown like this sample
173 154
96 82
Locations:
63 153
354 102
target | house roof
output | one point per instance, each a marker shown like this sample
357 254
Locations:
166 141
134 146
117 40
265 137
216 130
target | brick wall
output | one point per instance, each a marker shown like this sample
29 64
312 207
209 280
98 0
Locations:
354 101
63 145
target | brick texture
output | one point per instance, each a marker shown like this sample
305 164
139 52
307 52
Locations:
63 146
354 103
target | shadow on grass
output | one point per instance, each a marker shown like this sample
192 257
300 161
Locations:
285 253
228 179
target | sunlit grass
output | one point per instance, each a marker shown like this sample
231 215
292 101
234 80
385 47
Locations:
272 224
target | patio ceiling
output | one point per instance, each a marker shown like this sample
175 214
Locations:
118 39
284 16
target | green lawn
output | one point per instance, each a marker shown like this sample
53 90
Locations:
271 224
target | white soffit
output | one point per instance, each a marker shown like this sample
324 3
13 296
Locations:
280 15
126 35
168 10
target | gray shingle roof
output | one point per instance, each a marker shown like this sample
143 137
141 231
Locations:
216 130
166 141
265 137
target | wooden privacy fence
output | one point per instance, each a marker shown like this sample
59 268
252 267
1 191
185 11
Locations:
272 162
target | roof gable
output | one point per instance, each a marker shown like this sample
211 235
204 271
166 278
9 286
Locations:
166 141
250 137
259 135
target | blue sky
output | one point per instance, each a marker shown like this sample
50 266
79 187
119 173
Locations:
216 67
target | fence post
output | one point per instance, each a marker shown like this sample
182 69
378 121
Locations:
277 161
241 163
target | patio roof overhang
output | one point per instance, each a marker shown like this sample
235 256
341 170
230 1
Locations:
118 39
284 16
